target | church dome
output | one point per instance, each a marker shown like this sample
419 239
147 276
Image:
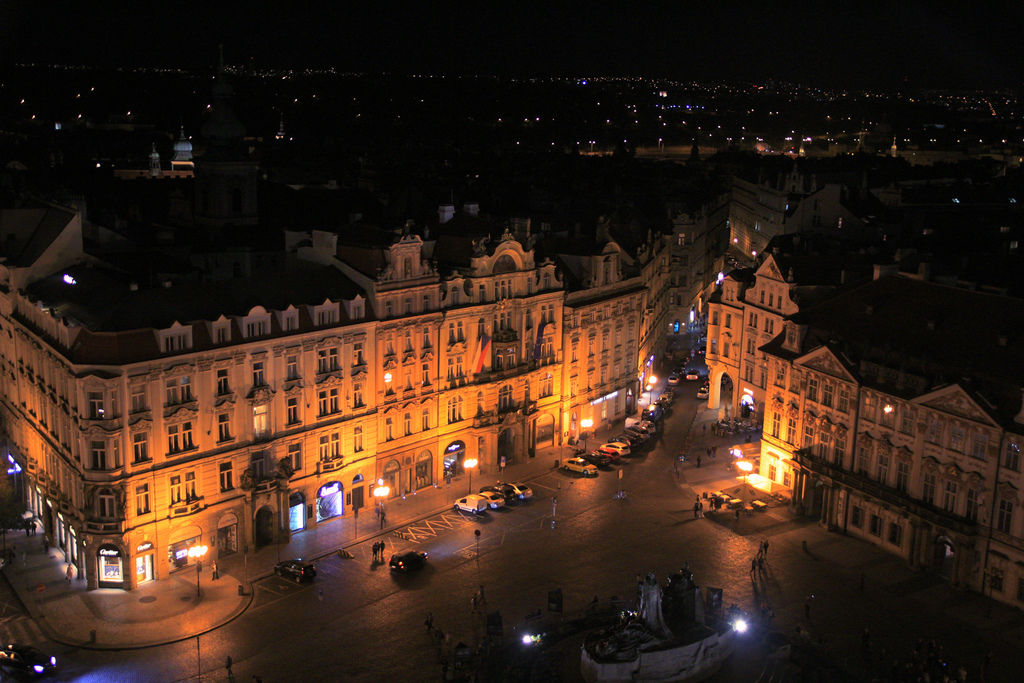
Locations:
182 148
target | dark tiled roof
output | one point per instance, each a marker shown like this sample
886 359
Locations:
102 300
26 233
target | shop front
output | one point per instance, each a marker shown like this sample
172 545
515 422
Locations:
454 454
177 549
424 470
110 566
144 563
330 501
227 534
296 511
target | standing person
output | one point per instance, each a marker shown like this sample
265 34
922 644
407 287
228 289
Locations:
698 460
766 548
753 566
696 509
227 666
216 571
69 573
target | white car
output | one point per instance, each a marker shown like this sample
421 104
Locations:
473 503
494 499
522 490
616 446
580 465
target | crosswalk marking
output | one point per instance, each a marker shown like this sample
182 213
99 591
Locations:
21 630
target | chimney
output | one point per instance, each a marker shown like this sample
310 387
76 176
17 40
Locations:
445 213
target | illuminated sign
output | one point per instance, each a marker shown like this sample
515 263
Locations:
328 489
604 398
148 545
110 552
454 446
749 392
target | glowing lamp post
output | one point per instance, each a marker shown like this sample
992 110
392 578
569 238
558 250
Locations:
746 467
198 552
586 423
652 380
469 464
380 492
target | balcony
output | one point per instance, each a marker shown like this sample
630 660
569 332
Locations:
330 465
265 486
104 526
503 336
186 507
484 419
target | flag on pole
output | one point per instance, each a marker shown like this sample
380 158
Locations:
540 340
485 348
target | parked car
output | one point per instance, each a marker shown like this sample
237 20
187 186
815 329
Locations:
522 490
597 459
507 493
298 570
634 439
473 503
581 466
673 379
616 446
494 499
407 561
27 659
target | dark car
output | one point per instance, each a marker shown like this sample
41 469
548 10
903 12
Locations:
504 490
407 561
27 659
597 459
299 570
630 438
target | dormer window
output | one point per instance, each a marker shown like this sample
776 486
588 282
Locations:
222 331
257 323
175 339
356 308
326 314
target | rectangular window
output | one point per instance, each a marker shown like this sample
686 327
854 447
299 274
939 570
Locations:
179 390
190 485
949 491
895 534
138 399
95 399
867 410
142 499
971 507
258 379
863 454
98 450
357 395
295 456
140 447
906 420
227 481
902 476
1004 520
1011 457
175 489
876 526
956 438
389 429
979 446
223 427
843 404
357 439
808 436
856 516
776 425
327 360
291 367
293 410
357 354
791 430
407 423
425 419
883 468
827 390
928 488
223 387
173 439
812 389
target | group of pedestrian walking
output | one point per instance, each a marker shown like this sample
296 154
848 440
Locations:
378 551
760 561
698 508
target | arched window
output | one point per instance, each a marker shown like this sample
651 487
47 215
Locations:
424 470
504 264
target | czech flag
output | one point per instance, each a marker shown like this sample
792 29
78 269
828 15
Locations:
485 348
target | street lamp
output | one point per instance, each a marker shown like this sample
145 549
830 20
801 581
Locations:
380 492
652 380
746 466
469 464
198 552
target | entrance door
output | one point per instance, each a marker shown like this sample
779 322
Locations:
944 558
506 447
264 526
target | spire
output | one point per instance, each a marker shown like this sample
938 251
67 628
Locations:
154 162
892 150
280 135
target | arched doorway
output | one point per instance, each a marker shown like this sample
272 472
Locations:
424 470
391 479
944 557
454 454
507 447
264 526
544 431
720 396
330 501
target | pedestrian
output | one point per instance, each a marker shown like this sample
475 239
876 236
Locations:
704 429
429 621
27 525
700 508
675 467
760 563
320 594
69 573
737 514
696 509
766 547
698 460
227 665
216 571
753 565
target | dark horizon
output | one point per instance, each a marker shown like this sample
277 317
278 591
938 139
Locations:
871 45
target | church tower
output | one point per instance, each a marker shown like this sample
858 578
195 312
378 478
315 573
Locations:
892 150
227 179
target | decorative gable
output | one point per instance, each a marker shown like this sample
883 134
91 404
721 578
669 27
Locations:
824 360
954 400
770 269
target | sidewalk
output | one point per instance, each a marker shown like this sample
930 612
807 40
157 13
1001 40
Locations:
169 610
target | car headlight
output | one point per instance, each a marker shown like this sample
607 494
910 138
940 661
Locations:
740 626
38 668
53 661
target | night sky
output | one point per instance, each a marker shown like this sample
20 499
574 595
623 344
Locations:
932 44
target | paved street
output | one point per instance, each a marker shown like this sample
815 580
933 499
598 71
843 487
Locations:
359 622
